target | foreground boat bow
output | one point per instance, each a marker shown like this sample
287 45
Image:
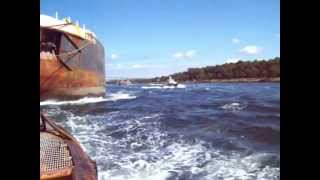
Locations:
61 156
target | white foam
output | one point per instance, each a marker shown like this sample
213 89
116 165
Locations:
237 167
233 106
151 87
158 160
87 100
181 86
155 84
120 96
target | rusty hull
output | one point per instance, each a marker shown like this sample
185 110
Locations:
57 82
80 74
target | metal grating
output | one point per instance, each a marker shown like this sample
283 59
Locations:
54 154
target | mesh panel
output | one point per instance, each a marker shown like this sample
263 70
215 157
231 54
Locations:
54 154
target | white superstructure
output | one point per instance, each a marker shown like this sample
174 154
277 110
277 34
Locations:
67 26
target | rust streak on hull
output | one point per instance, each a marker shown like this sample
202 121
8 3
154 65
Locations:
72 76
58 82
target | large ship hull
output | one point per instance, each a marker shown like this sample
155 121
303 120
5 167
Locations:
74 68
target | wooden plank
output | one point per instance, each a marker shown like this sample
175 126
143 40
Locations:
84 167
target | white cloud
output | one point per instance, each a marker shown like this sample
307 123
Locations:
251 50
185 55
178 55
140 66
133 66
118 66
190 54
114 56
235 40
115 66
137 66
232 60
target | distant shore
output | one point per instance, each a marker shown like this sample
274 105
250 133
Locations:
238 80
239 72
232 80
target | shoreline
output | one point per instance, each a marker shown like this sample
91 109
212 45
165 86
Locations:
239 80
233 80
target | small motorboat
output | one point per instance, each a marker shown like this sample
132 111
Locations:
172 82
124 82
61 155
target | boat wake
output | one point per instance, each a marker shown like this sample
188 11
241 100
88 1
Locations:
119 96
199 134
181 86
233 107
137 149
87 100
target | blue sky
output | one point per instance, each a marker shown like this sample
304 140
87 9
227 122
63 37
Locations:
147 38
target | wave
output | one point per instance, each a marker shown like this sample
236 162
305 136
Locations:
181 86
234 106
120 96
87 100
137 149
130 143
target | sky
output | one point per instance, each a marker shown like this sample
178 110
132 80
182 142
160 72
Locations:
149 38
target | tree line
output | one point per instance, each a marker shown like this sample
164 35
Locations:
242 69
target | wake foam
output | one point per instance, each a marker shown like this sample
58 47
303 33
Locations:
179 86
87 100
234 106
138 149
120 96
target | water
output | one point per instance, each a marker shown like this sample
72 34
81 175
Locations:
200 131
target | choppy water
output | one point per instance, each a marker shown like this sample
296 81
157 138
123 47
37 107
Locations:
200 131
